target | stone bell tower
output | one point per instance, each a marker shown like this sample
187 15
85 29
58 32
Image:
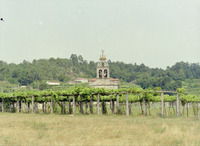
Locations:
103 79
103 71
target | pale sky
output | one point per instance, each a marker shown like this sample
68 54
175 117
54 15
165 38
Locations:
158 33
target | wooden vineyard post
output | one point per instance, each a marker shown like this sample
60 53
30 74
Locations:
70 106
91 105
127 105
27 107
51 105
197 110
9 107
141 107
74 105
104 109
162 104
173 107
187 109
117 106
180 108
86 107
129 108
113 106
98 104
81 106
2 106
149 105
36 106
21 106
177 105
32 104
64 110
43 107
17 104
111 103
13 103
144 106
61 107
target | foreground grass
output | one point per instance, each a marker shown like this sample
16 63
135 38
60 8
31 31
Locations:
28 129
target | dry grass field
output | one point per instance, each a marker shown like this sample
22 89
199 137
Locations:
46 129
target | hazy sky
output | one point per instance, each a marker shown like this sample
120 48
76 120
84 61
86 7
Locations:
158 33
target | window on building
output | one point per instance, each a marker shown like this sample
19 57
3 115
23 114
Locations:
103 64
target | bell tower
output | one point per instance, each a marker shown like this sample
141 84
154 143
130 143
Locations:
103 79
103 71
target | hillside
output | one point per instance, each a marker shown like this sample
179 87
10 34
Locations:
38 71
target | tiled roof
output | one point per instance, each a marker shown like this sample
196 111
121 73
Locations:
112 79
71 82
53 82
92 80
81 79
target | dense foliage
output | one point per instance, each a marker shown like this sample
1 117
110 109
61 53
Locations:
39 71
85 94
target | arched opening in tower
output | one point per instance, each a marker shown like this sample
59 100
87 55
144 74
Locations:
100 73
105 73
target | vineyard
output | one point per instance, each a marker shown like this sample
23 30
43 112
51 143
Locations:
84 100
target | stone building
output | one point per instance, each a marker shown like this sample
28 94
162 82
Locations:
103 79
81 80
53 83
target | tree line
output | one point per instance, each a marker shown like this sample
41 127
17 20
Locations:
63 69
